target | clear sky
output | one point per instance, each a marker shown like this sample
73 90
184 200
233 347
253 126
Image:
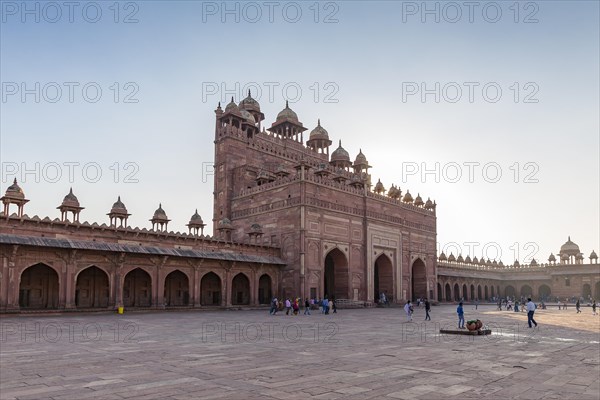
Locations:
500 98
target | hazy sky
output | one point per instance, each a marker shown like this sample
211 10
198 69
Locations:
497 100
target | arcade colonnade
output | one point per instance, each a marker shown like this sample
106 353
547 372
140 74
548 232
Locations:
470 289
43 285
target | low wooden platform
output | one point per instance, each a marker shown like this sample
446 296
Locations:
466 332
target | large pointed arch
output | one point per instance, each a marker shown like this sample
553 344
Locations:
383 280
336 275
419 280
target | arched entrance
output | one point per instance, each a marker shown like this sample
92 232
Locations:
587 291
472 292
419 280
92 288
137 289
210 290
464 292
336 275
439 291
177 289
478 293
448 292
38 288
383 281
509 291
492 291
485 292
240 290
456 292
597 290
526 291
264 290
544 292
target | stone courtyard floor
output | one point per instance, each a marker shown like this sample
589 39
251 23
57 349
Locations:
355 354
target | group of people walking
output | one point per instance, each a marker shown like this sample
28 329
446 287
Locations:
292 307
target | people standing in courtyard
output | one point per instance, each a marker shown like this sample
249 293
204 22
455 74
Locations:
324 304
594 307
476 303
461 316
306 307
296 306
427 308
577 307
408 311
500 305
516 306
530 310
274 304
333 306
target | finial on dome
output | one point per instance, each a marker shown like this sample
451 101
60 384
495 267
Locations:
232 99
340 142
249 93
15 181
286 104
319 122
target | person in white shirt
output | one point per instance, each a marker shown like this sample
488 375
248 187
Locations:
530 310
408 310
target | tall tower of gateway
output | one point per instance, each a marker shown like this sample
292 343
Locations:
339 236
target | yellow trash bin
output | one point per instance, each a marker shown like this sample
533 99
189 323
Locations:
121 309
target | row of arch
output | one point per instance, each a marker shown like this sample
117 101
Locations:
485 292
336 277
39 289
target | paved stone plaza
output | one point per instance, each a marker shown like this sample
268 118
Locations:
355 354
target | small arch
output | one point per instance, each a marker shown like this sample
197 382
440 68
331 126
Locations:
177 289
92 288
210 290
472 291
456 292
509 291
448 292
240 290
544 292
265 289
39 287
439 292
464 292
137 289
485 293
586 293
526 291
478 293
